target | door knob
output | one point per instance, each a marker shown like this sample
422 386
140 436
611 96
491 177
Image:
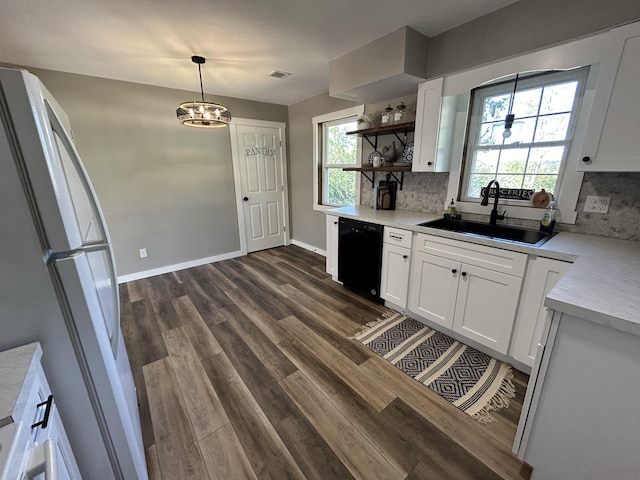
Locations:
246 199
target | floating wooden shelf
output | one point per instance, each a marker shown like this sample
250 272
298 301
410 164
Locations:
394 128
399 128
391 170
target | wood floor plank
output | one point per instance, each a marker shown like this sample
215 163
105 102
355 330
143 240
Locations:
269 457
335 319
358 455
367 386
278 365
452 460
206 306
458 425
312 453
145 343
203 341
137 290
224 456
392 444
265 322
268 394
159 294
178 453
203 406
153 466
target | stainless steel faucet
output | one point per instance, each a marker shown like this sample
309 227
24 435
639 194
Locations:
485 201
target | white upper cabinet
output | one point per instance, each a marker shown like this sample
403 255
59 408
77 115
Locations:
612 143
435 116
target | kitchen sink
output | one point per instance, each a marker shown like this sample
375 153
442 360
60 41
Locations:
500 232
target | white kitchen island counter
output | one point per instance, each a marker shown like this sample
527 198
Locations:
602 285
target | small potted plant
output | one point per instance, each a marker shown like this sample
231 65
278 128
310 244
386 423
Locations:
365 121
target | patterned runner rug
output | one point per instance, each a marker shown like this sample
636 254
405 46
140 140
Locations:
471 380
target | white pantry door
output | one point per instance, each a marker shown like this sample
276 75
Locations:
259 183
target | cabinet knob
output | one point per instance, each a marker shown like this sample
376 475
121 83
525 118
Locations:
405 256
429 163
464 274
453 270
586 159
335 223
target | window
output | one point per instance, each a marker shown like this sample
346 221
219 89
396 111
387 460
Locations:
335 150
533 157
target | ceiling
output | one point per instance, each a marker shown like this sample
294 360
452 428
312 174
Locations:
151 41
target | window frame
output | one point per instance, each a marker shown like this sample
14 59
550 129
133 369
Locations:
319 178
528 82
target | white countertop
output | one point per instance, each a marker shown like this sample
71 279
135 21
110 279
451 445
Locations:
602 285
16 371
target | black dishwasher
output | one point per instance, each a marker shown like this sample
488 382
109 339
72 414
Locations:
360 256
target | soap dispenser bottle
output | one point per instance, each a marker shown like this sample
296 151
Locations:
451 209
549 218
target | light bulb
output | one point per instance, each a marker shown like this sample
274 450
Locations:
506 133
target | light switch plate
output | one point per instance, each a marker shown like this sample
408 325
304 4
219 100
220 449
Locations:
597 204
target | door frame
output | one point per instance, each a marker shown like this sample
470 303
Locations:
235 157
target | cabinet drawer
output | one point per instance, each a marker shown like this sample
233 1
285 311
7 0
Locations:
397 236
496 259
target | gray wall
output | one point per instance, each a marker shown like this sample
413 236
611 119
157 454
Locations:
162 186
524 26
307 224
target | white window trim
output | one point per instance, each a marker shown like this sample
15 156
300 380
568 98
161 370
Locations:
526 83
317 160
586 51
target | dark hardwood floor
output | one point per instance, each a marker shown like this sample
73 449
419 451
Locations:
245 370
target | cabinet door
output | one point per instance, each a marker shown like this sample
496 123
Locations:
395 274
612 142
433 287
542 275
427 124
486 306
332 245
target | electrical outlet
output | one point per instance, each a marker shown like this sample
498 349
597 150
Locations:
597 204
143 253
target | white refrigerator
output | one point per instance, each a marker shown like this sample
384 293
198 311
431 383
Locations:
58 281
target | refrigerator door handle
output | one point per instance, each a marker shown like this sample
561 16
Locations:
57 127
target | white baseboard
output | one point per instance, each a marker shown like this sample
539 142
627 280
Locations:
311 248
180 266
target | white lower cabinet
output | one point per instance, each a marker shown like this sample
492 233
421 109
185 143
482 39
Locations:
470 289
396 260
542 275
39 447
332 245
433 288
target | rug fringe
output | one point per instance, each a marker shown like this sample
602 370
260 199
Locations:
500 400
369 325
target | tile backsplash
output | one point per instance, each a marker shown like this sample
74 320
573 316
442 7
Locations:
427 192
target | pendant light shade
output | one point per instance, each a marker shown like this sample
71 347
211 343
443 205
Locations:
508 121
201 114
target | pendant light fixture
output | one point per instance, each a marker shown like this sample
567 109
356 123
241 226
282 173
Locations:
203 114
508 121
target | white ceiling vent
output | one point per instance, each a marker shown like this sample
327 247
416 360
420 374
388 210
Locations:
279 74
